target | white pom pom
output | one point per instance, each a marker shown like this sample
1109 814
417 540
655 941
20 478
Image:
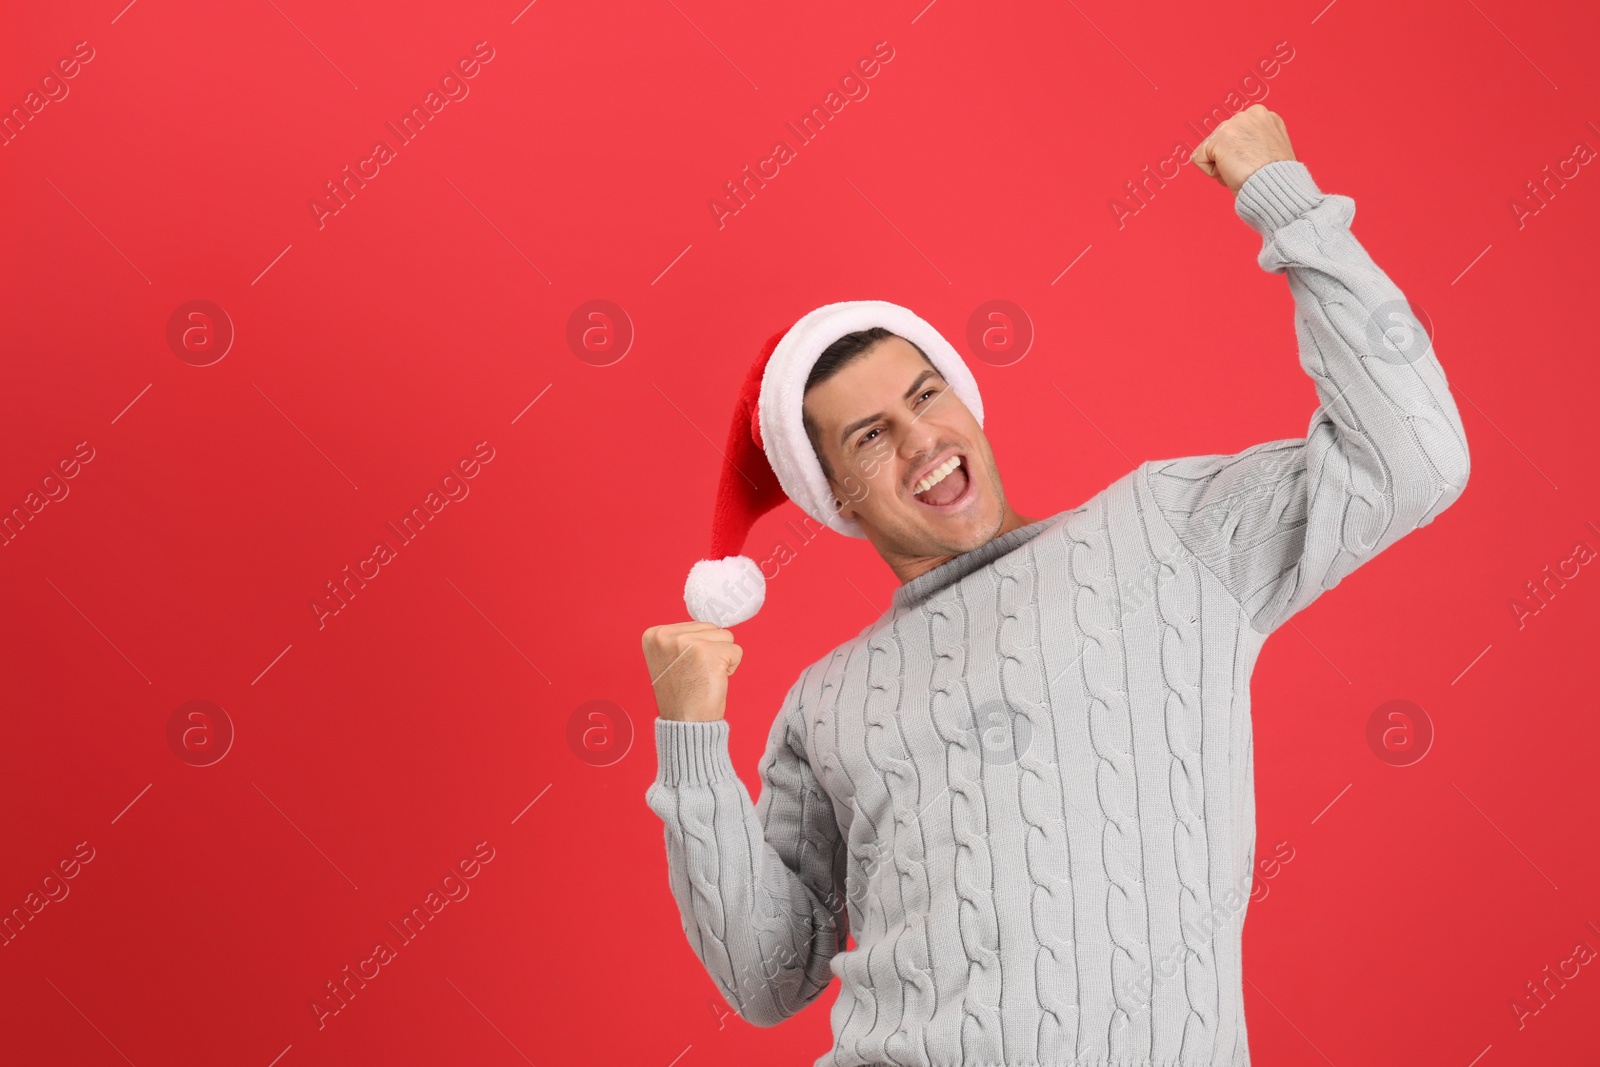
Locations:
724 592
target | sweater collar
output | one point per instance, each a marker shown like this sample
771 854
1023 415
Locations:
925 585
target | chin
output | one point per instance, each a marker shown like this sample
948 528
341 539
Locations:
966 524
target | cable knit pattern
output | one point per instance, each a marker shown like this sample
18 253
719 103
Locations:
954 715
892 965
1039 800
1027 791
1176 596
1103 672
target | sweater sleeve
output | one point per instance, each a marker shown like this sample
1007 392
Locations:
759 888
1283 521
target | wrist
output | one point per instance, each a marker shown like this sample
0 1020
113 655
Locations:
692 752
677 716
1276 194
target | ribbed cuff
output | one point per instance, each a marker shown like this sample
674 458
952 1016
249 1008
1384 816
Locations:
1276 194
692 753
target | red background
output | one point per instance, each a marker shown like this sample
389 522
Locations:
374 752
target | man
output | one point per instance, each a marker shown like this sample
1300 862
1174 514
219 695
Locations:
1028 790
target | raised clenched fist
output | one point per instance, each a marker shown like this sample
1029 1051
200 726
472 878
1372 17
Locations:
1243 145
690 663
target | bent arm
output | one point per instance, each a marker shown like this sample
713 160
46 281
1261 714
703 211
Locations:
1282 522
755 884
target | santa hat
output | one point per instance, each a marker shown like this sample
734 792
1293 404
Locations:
769 456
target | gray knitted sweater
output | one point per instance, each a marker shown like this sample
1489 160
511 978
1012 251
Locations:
1028 788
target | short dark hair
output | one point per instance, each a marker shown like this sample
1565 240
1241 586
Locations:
835 358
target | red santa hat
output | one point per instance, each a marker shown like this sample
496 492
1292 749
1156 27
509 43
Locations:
769 456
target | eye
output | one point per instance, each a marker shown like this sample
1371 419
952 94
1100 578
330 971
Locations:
864 438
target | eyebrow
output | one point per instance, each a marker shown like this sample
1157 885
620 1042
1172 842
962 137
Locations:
844 435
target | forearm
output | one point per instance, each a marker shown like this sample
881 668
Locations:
1385 402
762 933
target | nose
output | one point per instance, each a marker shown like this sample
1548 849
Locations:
919 439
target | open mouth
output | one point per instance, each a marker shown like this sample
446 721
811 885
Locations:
946 487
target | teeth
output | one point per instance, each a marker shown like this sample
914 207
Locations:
939 474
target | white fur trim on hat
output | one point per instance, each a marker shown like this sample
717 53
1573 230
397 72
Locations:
783 384
724 592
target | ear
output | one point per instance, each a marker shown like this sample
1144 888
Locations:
841 501
844 509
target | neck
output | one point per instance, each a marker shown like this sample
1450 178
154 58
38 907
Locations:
908 567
